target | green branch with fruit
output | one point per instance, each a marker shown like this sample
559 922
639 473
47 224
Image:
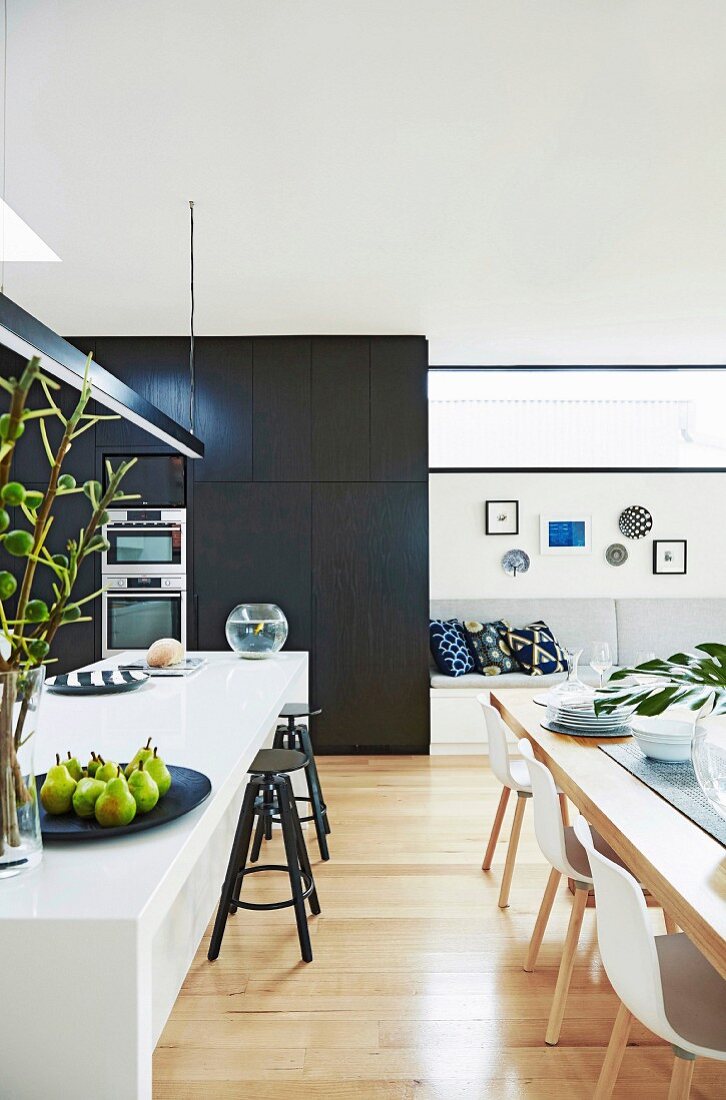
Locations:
28 623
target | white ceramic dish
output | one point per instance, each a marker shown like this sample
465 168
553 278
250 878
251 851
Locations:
663 739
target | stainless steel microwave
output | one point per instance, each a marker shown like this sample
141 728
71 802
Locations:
157 481
145 540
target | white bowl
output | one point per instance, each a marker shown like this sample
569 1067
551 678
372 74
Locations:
663 739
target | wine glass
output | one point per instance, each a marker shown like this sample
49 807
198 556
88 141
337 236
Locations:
601 661
641 658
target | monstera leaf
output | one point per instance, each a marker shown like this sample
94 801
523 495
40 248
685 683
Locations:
685 679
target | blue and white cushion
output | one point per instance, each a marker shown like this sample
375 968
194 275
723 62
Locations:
536 649
449 648
488 645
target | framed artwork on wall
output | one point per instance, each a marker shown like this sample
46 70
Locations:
502 517
670 556
565 533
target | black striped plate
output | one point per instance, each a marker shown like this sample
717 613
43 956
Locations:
100 681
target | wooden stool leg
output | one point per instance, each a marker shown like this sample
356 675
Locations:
614 1056
567 962
302 849
296 883
670 925
237 861
512 850
496 828
542 918
565 810
680 1088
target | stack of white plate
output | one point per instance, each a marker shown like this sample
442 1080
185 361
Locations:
578 716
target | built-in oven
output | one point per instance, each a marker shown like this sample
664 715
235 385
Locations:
145 540
137 610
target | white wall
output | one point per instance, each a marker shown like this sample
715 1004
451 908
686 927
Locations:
465 562
519 180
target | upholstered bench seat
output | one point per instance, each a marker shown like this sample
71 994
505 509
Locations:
629 626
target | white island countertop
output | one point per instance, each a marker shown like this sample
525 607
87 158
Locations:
145 899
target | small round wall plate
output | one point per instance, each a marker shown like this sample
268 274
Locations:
635 522
616 554
515 562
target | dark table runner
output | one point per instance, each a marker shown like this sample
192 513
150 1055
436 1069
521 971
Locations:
676 783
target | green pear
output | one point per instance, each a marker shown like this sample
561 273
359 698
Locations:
159 772
142 754
108 770
93 765
74 766
56 794
86 794
115 805
144 789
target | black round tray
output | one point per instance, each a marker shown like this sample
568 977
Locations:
188 789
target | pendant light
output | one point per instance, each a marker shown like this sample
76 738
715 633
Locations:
17 240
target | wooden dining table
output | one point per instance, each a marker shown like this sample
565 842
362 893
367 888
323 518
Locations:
682 866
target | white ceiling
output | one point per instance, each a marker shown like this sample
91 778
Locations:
521 180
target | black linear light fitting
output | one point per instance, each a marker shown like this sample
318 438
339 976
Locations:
26 335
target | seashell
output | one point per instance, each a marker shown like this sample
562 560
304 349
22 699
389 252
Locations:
165 652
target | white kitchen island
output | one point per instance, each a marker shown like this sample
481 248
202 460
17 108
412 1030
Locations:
96 941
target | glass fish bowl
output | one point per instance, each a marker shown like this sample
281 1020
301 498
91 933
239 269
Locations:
256 630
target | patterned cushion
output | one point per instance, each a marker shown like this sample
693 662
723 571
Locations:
536 649
488 645
449 648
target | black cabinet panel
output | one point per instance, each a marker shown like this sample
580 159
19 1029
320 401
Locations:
223 403
74 643
399 409
30 462
281 403
252 545
370 612
341 408
157 367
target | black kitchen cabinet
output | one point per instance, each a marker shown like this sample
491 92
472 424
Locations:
223 408
157 367
281 403
341 422
399 409
252 545
370 637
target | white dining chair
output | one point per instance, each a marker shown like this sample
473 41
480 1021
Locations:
512 774
566 855
663 981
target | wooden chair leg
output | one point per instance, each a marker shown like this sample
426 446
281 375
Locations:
681 1078
496 829
512 851
614 1056
565 810
542 918
557 1012
670 925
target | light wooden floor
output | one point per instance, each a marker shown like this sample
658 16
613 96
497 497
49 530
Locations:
417 988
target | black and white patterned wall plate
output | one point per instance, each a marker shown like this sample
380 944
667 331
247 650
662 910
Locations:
616 554
100 681
635 522
515 562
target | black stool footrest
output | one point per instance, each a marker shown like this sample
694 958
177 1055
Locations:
307 882
310 817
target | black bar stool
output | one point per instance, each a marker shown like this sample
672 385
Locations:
269 792
297 737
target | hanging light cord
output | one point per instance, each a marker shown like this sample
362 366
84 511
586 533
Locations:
5 115
191 315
